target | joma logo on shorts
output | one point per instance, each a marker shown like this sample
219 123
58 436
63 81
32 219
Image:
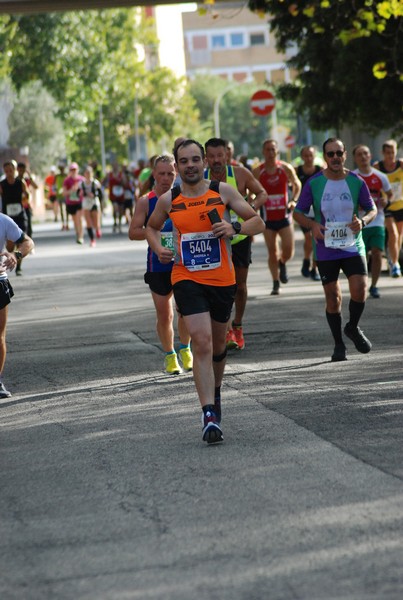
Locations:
196 203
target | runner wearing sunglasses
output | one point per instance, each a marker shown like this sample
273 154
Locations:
336 196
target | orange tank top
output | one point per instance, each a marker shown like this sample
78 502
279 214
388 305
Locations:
199 255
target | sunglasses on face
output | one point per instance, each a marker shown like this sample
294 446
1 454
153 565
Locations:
338 153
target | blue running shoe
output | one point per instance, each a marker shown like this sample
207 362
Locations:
305 270
374 292
314 275
212 433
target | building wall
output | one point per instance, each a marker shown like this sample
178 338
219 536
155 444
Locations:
234 43
168 22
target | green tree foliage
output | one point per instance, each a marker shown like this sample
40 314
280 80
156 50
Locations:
90 58
33 123
349 59
8 28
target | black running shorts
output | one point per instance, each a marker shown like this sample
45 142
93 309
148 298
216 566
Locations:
6 293
194 298
242 253
159 282
72 209
329 269
22 221
396 214
277 225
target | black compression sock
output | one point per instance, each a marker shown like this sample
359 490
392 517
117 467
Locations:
334 320
356 310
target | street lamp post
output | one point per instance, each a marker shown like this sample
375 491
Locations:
136 123
102 139
217 110
220 96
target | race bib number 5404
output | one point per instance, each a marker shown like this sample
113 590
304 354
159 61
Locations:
200 251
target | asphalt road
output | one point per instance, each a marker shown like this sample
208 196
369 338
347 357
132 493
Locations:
107 491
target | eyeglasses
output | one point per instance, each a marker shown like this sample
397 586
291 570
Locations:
338 153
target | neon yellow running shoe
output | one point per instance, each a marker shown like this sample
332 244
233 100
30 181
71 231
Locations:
186 358
171 364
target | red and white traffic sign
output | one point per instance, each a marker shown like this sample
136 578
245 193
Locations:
289 141
262 103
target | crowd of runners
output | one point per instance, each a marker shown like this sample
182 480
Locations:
199 230
199 208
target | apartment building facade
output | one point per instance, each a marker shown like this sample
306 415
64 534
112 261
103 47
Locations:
234 43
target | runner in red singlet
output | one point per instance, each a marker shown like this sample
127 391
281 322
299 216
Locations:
275 176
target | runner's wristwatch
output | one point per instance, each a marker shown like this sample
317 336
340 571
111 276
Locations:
237 226
18 255
363 223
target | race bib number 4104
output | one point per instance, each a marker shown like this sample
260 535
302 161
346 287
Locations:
200 251
338 235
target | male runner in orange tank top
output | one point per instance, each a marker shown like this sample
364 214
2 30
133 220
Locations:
203 275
